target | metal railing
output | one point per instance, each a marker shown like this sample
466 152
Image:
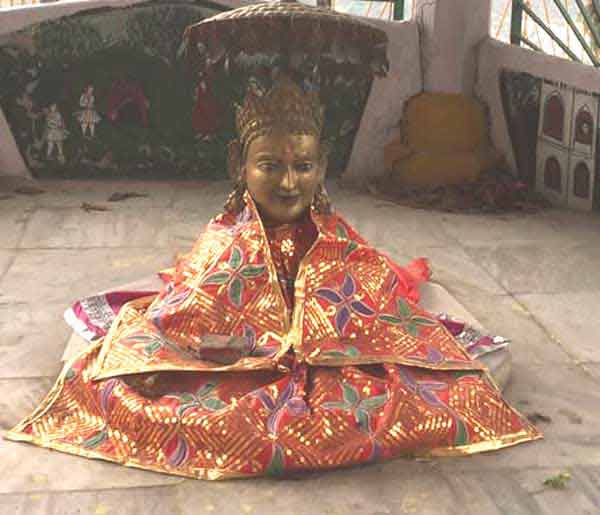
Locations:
565 28
381 9
392 10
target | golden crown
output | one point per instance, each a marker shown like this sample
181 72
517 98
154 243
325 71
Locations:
286 106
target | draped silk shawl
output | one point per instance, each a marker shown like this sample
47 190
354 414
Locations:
222 308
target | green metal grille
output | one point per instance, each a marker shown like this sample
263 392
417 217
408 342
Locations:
579 20
397 11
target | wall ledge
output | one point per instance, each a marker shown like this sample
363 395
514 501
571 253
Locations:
543 65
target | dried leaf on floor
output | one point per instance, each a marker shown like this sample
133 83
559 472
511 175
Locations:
559 481
496 191
87 207
29 190
120 196
536 418
573 417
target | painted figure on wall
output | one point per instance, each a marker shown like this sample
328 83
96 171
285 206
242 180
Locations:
255 85
127 102
581 180
56 133
205 118
121 83
584 126
88 117
553 174
554 117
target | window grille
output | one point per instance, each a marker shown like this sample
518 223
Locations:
564 28
379 9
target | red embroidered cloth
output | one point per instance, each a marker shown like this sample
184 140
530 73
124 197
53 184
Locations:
225 373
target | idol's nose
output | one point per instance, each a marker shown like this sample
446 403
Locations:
289 181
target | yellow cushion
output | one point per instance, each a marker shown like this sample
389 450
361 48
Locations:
436 168
394 151
444 122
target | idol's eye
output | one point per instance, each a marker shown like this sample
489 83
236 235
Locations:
305 166
268 166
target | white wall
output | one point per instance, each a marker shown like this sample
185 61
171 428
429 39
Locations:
495 56
383 110
384 106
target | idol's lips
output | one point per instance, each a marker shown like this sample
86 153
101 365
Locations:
288 198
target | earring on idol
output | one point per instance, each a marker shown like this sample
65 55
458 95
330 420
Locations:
235 201
321 203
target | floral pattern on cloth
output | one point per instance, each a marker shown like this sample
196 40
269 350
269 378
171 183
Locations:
216 377
218 425
91 317
289 244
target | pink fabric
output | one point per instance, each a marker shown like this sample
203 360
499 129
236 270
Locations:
91 317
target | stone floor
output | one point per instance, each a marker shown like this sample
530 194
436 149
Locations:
533 278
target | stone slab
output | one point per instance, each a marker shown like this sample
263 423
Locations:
546 381
71 193
32 338
535 268
61 276
581 494
593 369
6 259
208 197
63 194
120 227
27 468
457 271
495 492
507 316
19 397
509 229
130 501
579 227
384 223
398 487
12 227
571 318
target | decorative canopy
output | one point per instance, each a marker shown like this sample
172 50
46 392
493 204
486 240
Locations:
291 29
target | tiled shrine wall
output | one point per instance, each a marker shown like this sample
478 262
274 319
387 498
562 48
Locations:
544 113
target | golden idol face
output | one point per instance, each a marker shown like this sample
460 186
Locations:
282 173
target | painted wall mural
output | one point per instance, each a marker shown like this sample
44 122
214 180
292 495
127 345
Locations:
106 93
553 129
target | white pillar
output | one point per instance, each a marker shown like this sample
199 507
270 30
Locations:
385 103
452 30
